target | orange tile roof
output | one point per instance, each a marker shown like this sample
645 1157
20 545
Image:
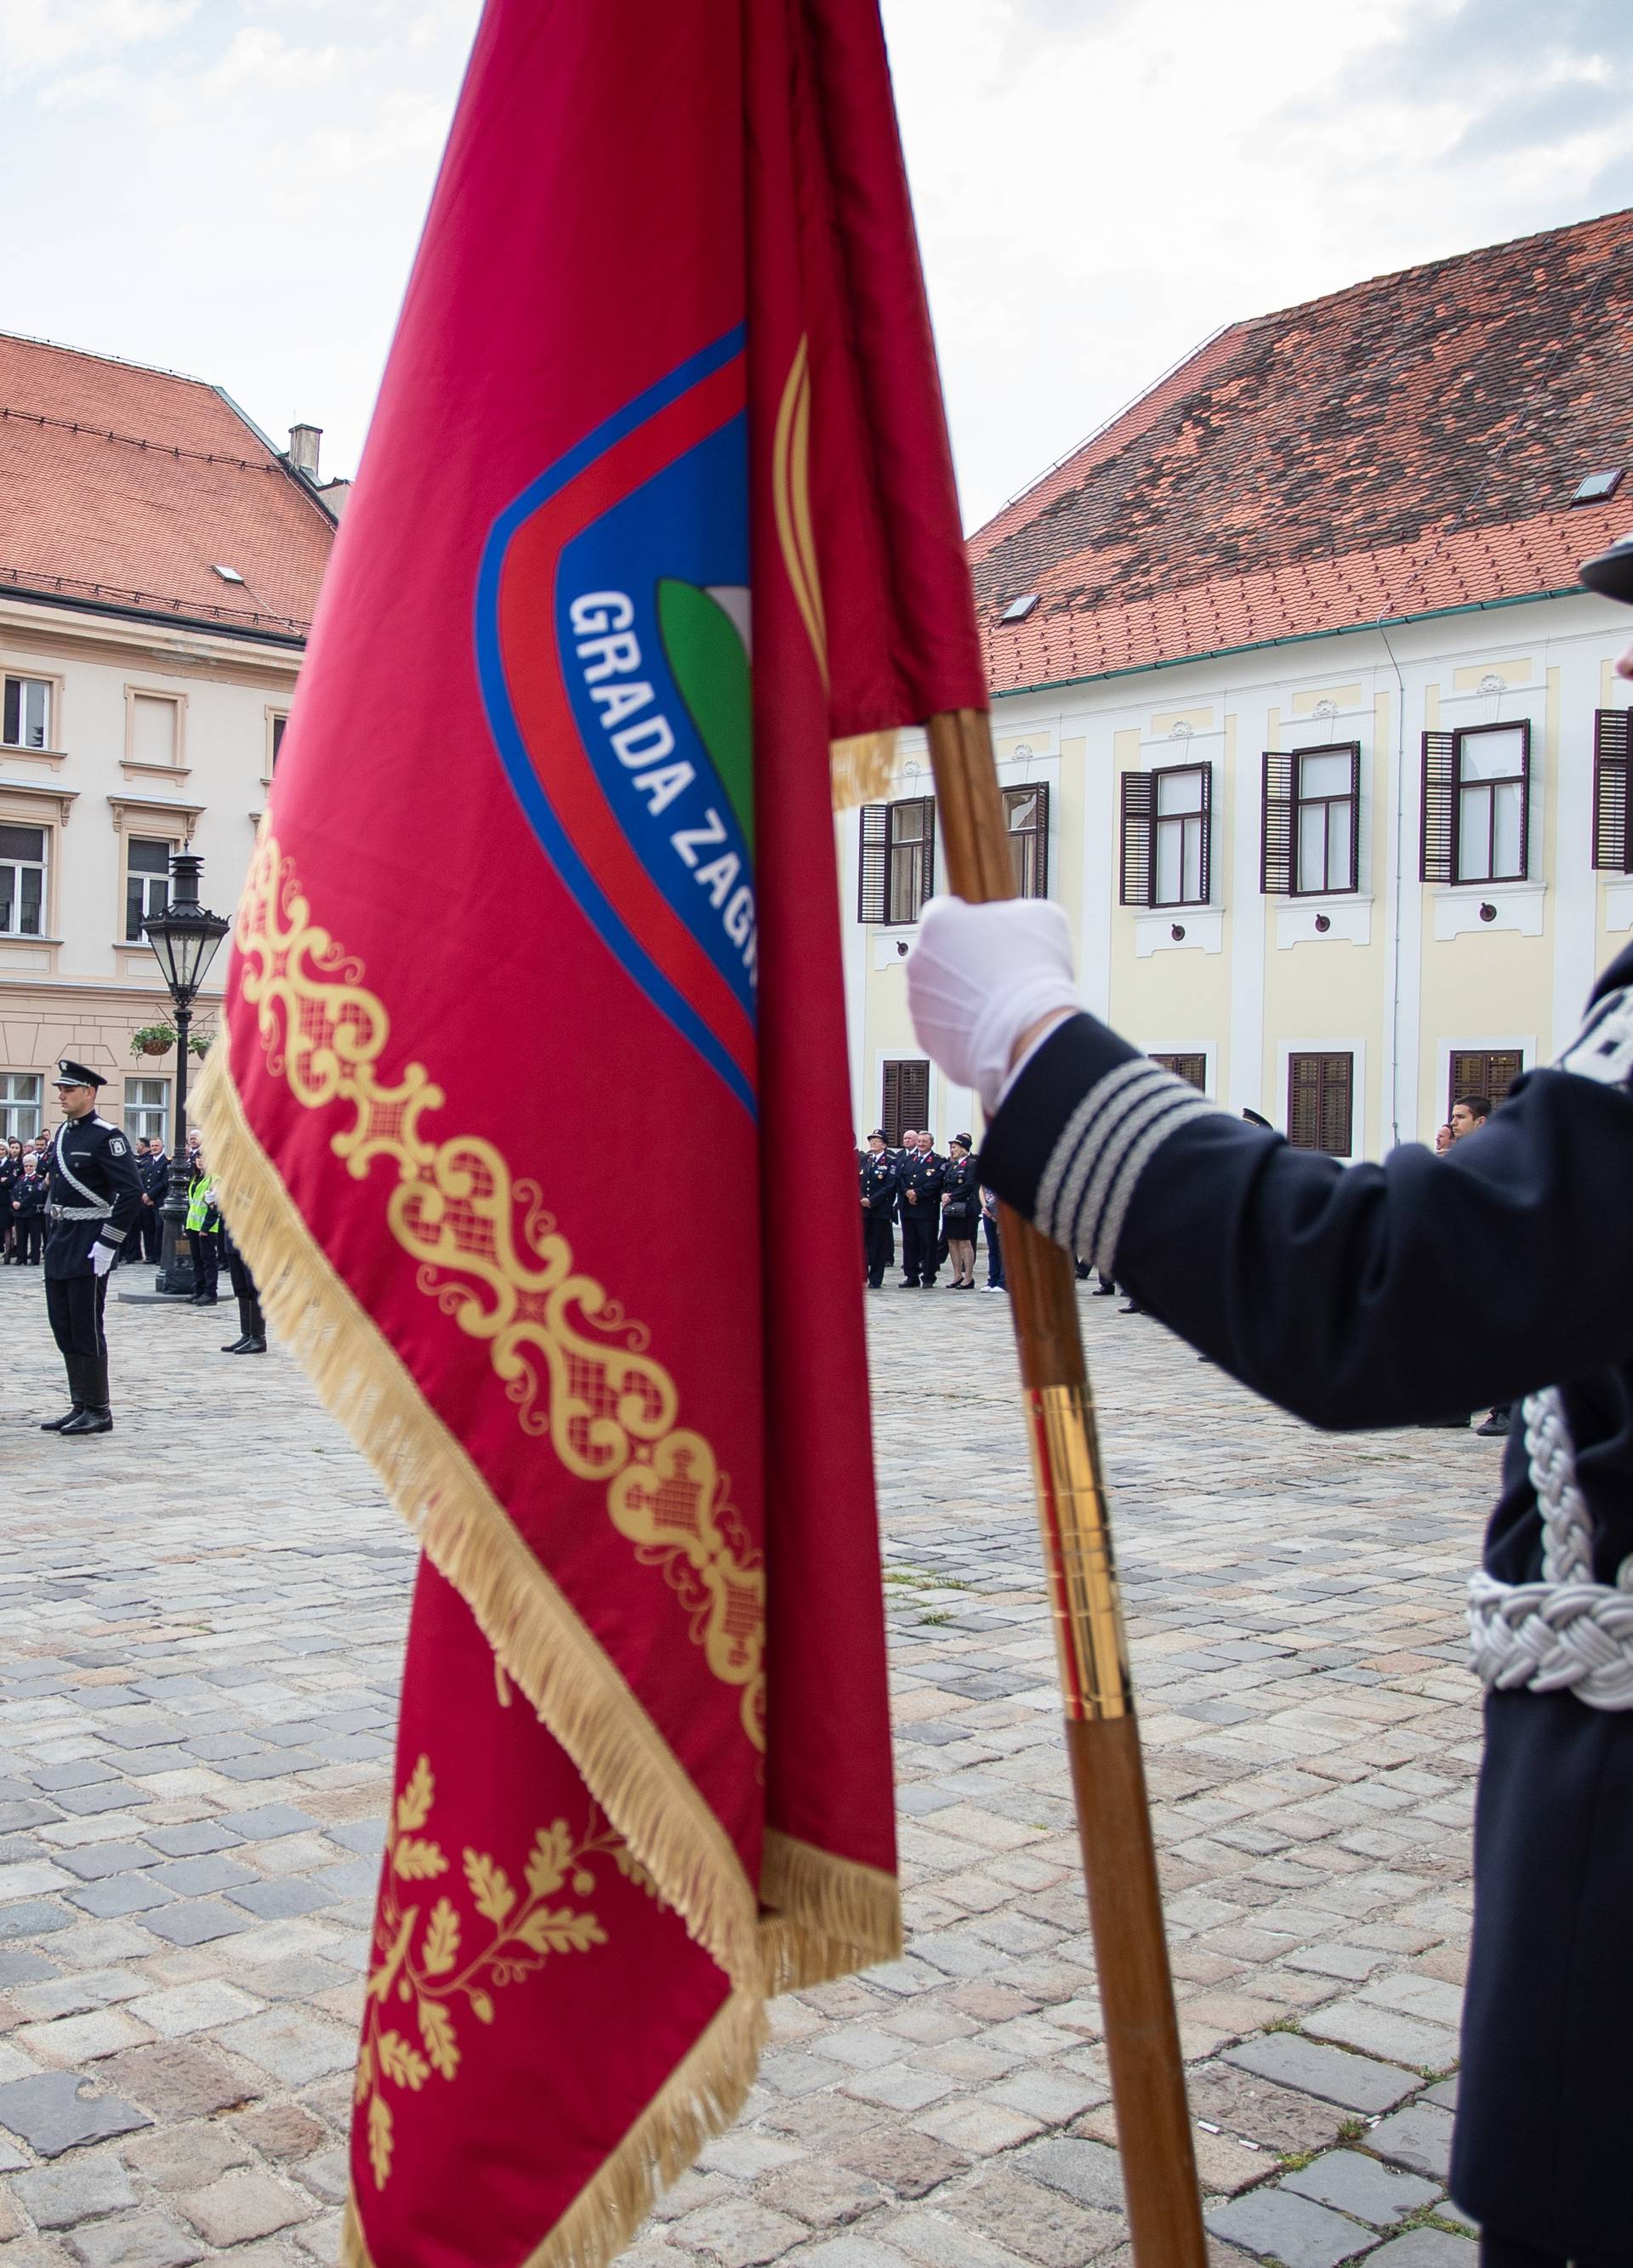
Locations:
1409 444
127 487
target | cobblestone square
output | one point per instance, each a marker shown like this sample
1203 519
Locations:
201 1624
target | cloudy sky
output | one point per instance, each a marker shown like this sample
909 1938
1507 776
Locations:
233 187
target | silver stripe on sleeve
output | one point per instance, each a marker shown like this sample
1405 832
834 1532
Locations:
1166 1096
1104 1135
1110 1231
1078 1128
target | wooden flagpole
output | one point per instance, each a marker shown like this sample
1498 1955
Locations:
1101 1735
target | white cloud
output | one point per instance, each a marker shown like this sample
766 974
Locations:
237 187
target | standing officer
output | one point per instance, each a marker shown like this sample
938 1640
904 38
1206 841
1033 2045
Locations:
878 1179
154 1173
918 1175
94 1201
1325 1287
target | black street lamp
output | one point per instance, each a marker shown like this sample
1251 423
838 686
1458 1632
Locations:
184 938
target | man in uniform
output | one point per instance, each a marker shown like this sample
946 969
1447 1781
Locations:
95 1201
153 1171
877 1178
1325 1288
918 1204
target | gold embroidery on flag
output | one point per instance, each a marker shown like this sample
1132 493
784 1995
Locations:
574 1365
791 501
424 1967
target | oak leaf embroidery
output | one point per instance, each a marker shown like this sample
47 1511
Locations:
429 1966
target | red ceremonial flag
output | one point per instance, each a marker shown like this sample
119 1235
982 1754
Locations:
533 1114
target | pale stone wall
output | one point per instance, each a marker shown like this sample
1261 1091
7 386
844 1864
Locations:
159 733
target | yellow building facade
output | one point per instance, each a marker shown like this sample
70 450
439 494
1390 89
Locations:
1331 879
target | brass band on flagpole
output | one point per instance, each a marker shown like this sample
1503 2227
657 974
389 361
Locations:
1102 1732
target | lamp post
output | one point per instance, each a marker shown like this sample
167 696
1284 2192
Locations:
184 938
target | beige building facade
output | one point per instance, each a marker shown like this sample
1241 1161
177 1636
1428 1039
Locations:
159 564
121 743
1333 879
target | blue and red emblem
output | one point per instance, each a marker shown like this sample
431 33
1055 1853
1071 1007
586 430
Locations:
612 643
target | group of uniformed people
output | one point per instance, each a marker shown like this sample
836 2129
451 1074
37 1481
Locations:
23 1197
940 1205
97 1198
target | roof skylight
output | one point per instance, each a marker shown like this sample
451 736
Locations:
1597 487
228 574
1018 609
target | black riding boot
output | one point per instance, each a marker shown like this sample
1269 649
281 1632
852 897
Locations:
245 1329
96 1416
75 1366
256 1342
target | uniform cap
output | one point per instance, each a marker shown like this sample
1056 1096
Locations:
1610 572
878 1135
70 1074
962 1141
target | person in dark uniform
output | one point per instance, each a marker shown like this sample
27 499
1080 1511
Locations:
960 1209
92 1203
11 1170
252 1339
919 1175
877 1179
1325 1288
29 1194
154 1173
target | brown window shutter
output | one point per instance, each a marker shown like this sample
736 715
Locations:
1337 1116
1275 826
927 871
1138 804
1437 844
1613 851
874 865
1040 848
1525 797
1484 1071
1192 1069
1354 816
915 1079
1304 1102
891 1105
1207 771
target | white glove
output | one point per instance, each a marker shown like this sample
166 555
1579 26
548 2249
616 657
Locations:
981 976
102 1258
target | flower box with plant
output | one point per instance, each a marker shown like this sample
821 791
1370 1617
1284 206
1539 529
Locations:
153 1040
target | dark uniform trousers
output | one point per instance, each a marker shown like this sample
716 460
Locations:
74 1306
1324 1288
877 1180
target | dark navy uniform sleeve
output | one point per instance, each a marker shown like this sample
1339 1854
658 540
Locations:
1360 1295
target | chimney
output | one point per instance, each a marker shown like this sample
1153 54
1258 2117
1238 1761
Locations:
304 443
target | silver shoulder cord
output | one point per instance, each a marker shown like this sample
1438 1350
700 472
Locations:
1566 1634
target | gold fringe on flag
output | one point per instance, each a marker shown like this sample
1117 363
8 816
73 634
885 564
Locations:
696 2101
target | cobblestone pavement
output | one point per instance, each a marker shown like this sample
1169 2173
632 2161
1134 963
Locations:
201 1620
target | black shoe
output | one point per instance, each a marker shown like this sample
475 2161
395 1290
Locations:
238 1345
56 1424
1495 1427
1104 1292
1133 1308
88 1421
254 1346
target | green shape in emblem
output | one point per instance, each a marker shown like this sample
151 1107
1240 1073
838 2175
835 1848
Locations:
710 666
